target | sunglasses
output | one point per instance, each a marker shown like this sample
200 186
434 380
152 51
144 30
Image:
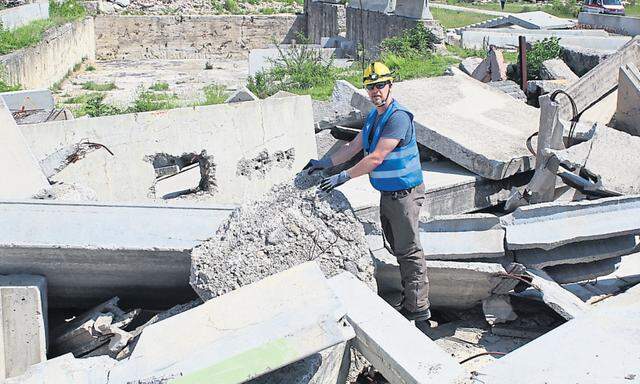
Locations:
376 85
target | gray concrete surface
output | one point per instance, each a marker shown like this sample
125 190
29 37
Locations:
627 117
539 20
242 94
23 323
454 115
470 64
477 39
399 350
105 248
543 32
68 369
550 225
582 60
555 69
22 176
573 273
15 17
414 9
462 237
622 25
565 303
243 334
383 6
28 100
465 9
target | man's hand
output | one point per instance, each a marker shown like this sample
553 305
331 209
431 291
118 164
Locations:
330 183
318 165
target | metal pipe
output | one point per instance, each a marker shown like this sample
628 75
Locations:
522 62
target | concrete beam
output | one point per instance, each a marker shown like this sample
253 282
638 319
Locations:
477 39
627 116
243 334
550 225
622 25
454 115
539 20
399 350
565 303
23 321
573 273
92 252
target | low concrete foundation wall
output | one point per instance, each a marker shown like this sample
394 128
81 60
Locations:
622 25
191 37
12 18
49 61
324 20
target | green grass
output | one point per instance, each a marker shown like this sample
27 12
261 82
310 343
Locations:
101 87
152 101
457 19
214 94
90 68
509 56
32 33
556 8
632 10
81 99
160 86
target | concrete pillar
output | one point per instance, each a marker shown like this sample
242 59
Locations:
414 9
628 110
23 310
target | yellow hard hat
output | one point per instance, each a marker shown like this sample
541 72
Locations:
376 72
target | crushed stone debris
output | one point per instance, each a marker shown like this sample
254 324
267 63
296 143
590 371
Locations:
293 223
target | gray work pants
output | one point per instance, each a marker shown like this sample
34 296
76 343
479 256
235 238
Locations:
399 215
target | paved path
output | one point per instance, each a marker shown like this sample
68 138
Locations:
465 9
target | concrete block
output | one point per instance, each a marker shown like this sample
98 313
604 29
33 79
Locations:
509 87
482 71
22 176
23 323
602 345
556 69
627 116
29 100
497 309
253 330
497 67
622 25
14 17
550 225
383 6
462 237
565 303
582 60
573 253
413 9
610 154
68 369
242 94
106 248
478 39
539 20
454 115
470 64
543 32
399 350
280 129
573 273
542 87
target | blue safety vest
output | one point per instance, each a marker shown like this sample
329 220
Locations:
401 168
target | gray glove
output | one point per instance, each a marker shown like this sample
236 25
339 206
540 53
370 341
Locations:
330 183
318 165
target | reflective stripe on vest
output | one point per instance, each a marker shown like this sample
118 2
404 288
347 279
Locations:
401 168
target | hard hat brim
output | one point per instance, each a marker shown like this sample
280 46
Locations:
382 79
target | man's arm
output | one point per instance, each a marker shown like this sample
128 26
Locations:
347 151
374 159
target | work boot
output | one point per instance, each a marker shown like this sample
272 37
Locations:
422 315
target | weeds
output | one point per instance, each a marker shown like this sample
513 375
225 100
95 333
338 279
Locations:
90 68
152 101
93 105
4 86
160 86
101 87
214 94
546 49
418 41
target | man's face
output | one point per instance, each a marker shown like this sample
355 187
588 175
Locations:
379 93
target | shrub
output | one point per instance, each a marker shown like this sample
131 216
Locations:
565 8
152 101
94 106
231 6
160 86
416 41
546 49
102 87
90 68
214 94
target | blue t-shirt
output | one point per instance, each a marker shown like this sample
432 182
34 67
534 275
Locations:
398 127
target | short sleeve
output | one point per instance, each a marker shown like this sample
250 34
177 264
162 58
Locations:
398 127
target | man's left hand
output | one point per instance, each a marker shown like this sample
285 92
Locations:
330 183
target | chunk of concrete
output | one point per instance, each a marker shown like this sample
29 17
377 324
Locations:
68 369
454 115
23 322
573 273
480 38
384 6
243 334
413 9
556 69
105 248
21 174
23 14
241 94
622 25
627 116
509 87
539 20
482 72
550 225
582 60
497 67
574 253
565 303
541 87
470 64
401 352
497 309
29 100
462 237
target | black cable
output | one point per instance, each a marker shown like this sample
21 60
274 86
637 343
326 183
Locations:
574 119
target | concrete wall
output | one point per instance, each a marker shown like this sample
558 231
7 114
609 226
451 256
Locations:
622 25
191 37
324 20
49 61
477 39
12 18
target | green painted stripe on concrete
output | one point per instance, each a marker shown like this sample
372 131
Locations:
244 366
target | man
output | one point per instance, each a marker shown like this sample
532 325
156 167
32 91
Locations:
392 161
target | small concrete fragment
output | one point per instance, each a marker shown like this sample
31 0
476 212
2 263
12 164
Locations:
23 322
253 330
565 303
241 94
401 352
573 273
627 116
556 69
470 64
497 309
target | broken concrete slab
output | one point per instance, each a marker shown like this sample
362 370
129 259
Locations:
68 369
574 253
22 176
413 9
282 127
565 303
627 116
105 247
243 334
462 237
541 87
384 6
556 69
509 87
550 225
497 309
611 155
626 275
29 100
23 323
392 344
573 273
328 114
582 60
470 64
539 20
253 243
608 354
241 94
454 115
497 67
480 38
